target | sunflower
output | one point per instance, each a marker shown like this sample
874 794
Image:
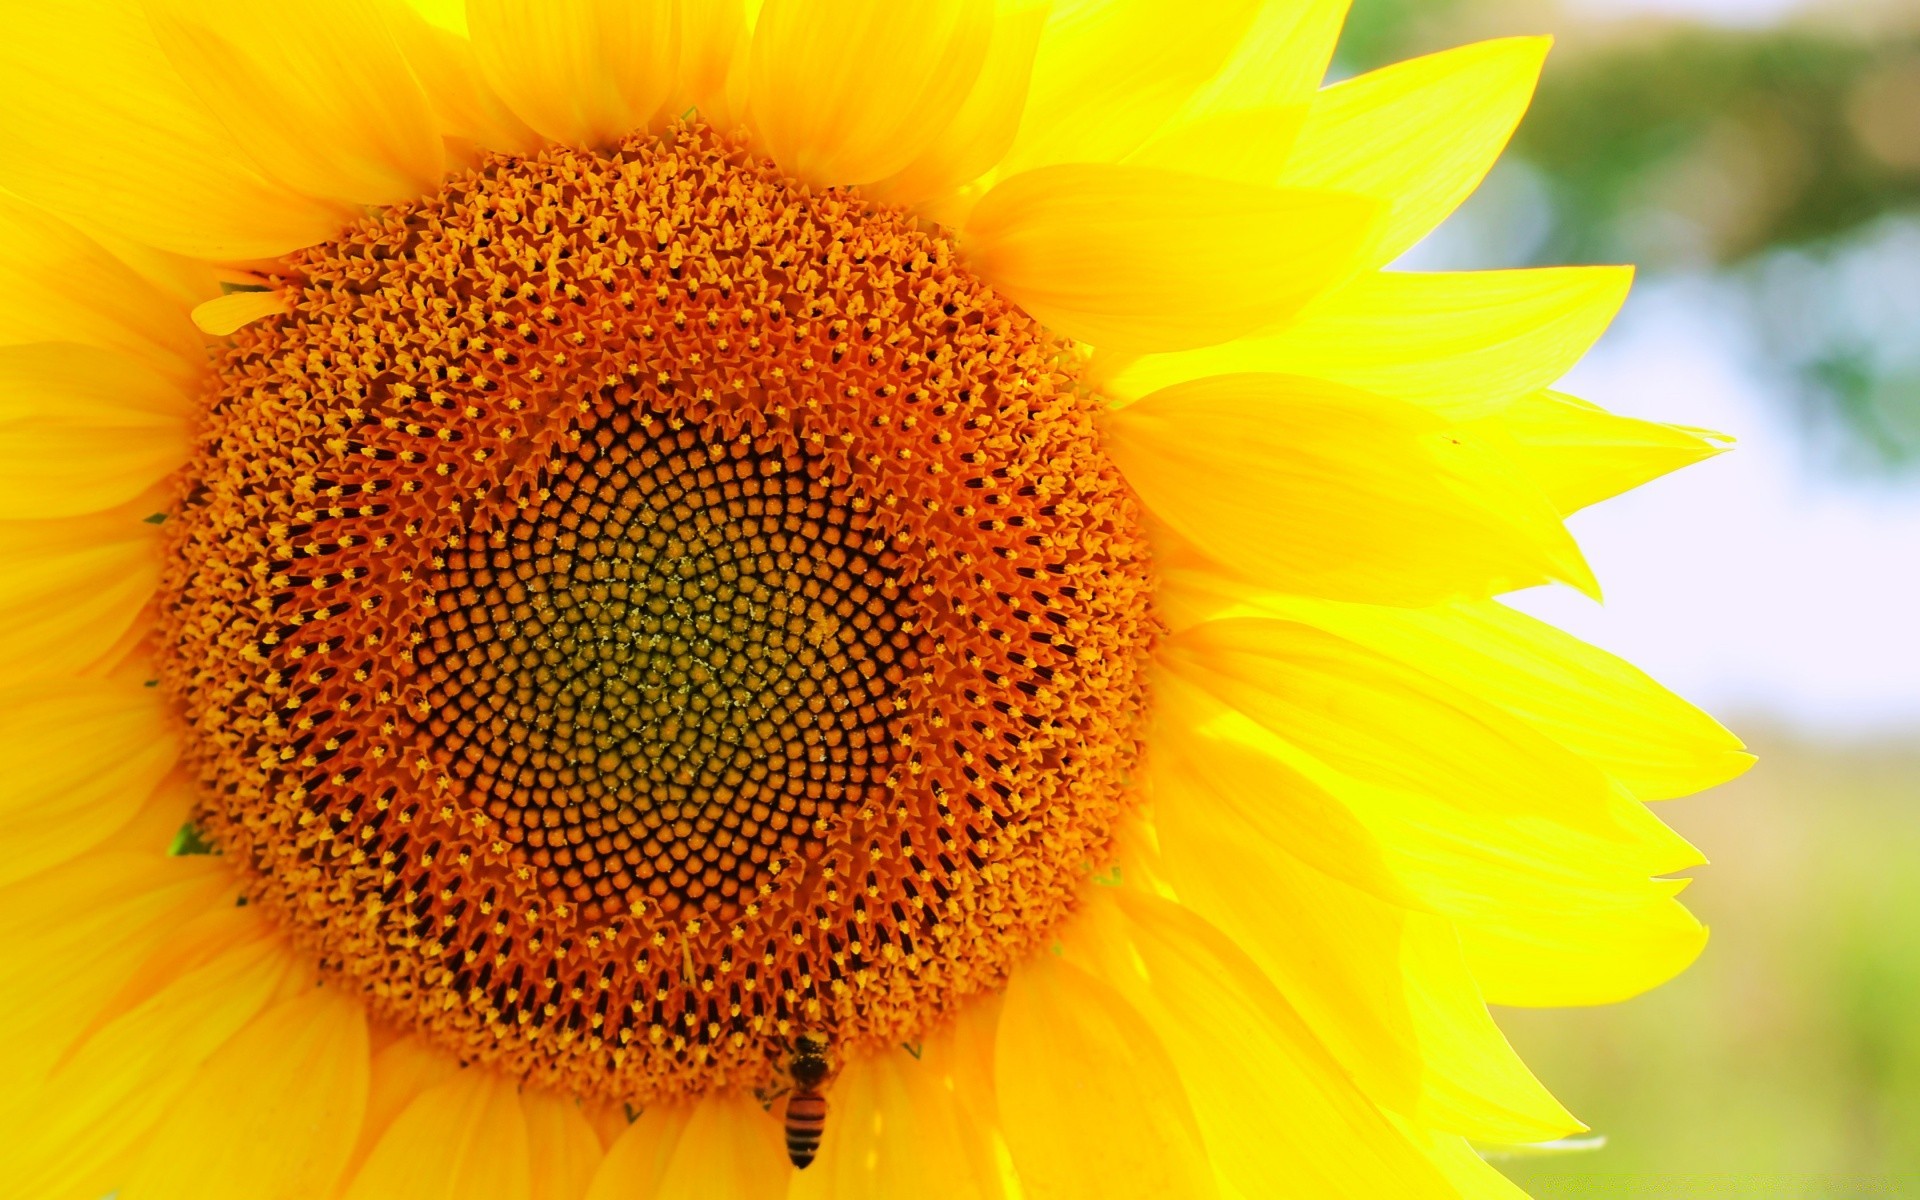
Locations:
590 581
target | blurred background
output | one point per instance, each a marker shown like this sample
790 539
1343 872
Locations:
1760 161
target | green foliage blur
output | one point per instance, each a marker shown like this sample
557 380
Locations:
1784 159
1786 1062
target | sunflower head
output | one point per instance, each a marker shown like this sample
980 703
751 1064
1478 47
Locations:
591 580
700 609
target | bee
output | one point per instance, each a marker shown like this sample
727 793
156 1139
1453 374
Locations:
806 1105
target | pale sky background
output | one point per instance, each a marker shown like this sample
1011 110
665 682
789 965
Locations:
1728 12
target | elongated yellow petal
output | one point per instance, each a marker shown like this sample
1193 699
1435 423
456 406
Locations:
1600 707
563 1151
1389 723
730 1149
1312 488
222 316
1092 1106
1244 145
77 759
58 285
83 430
1109 74
828 116
1465 345
1281 61
897 1126
582 72
1476 1085
713 51
1419 135
637 1162
1581 454
464 105
103 1101
1590 954
1527 847
1472 1177
95 122
403 1071
448 15
1198 784
1278 1112
184 281
70 590
464 1139
286 1095
1243 123
98 916
1378 979
978 135
315 91
1140 259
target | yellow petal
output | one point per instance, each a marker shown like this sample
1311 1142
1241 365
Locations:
272 1115
1244 145
96 123
156 825
1472 1177
449 15
897 1126
1279 1114
403 1071
77 759
823 110
1466 345
583 72
226 314
59 285
1418 136
98 916
1379 981
1477 1086
1581 454
729 1149
1092 1106
115 1088
713 50
1243 123
637 1162
82 430
978 135
1281 61
1313 488
1553 956
70 590
315 91
1524 845
563 1150
1199 786
1600 707
1110 74
464 105
1388 723
464 1139
1146 260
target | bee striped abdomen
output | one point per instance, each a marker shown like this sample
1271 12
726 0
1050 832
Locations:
806 1119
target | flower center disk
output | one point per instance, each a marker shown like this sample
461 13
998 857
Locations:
633 610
